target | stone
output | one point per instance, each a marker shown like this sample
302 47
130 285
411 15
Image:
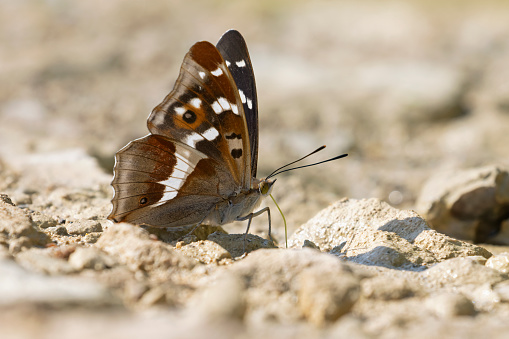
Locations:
19 228
131 245
290 284
500 262
91 238
58 230
469 204
371 232
461 271
44 221
205 251
84 227
91 258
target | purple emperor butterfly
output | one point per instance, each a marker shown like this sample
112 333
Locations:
198 164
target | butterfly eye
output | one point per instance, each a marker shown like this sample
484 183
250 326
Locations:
143 201
264 188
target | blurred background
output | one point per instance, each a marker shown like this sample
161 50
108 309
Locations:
407 88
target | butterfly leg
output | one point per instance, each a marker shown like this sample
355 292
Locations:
250 217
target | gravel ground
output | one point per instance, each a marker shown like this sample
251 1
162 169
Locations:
415 92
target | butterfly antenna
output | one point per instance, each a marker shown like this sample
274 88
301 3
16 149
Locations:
316 163
293 162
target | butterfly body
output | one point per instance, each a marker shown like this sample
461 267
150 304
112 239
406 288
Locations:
198 164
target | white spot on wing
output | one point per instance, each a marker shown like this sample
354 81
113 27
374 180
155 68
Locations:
179 110
224 103
249 103
192 139
227 63
211 134
242 96
217 107
235 109
241 63
217 72
201 74
196 102
221 105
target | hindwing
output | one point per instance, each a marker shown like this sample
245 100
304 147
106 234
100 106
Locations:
162 182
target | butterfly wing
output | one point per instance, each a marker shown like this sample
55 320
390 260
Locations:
205 111
164 183
233 48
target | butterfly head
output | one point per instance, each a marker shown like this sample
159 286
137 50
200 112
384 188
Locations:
265 186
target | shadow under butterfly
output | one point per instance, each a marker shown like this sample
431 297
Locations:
198 164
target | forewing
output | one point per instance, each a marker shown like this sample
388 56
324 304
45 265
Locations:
204 110
233 48
164 183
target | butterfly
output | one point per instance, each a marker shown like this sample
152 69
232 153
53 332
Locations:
198 164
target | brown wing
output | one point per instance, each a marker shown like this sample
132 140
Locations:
163 183
204 111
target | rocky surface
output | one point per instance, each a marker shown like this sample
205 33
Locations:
471 204
416 93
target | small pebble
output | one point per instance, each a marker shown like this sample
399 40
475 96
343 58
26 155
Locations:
84 227
58 230
500 262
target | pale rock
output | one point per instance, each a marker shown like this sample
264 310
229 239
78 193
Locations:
371 232
290 284
205 251
131 245
19 228
461 271
44 220
90 257
91 238
467 204
500 262
58 230
84 227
